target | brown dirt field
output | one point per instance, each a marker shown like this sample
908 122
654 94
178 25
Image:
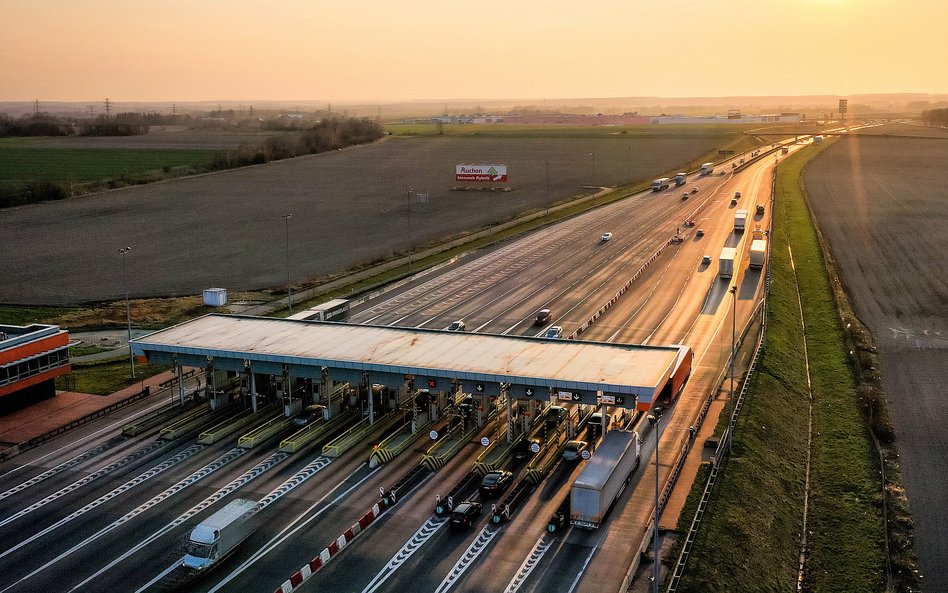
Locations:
349 208
881 203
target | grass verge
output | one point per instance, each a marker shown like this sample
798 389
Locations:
750 540
105 378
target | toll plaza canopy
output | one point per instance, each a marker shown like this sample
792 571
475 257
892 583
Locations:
535 368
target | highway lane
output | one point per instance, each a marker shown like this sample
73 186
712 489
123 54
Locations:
647 219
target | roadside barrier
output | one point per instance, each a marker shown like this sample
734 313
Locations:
333 549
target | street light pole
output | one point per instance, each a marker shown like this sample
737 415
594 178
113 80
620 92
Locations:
548 188
289 295
730 399
128 311
408 198
654 420
593 155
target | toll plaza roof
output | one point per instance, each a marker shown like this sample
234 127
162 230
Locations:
235 341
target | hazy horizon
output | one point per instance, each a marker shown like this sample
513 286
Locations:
418 50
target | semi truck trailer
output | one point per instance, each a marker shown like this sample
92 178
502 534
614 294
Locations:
660 184
758 253
218 535
707 168
605 476
726 263
680 179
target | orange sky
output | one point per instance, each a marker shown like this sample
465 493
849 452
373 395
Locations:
388 50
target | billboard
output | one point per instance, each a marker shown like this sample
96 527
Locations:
490 173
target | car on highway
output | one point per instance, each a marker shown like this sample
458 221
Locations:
694 190
466 513
496 482
684 196
309 414
737 194
706 259
543 316
554 332
573 450
699 233
524 447
457 326
605 237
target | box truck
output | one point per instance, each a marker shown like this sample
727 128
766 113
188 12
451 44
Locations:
740 220
758 253
680 179
218 535
334 310
726 263
605 476
707 168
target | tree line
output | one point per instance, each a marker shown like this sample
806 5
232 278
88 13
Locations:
936 117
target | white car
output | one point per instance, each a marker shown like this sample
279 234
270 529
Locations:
706 260
555 332
457 326
606 236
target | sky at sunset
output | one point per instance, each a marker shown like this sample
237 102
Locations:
397 50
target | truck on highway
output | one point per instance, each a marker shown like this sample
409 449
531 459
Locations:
218 535
660 184
334 310
785 150
740 220
605 476
758 253
726 262
707 168
680 179
760 208
817 139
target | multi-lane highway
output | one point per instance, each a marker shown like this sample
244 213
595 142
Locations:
99 511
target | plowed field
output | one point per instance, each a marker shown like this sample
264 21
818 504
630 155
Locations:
349 207
883 203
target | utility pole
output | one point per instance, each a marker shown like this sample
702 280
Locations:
408 197
548 188
653 419
108 108
730 399
36 107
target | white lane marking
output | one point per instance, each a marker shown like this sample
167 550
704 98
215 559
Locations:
289 530
414 543
314 467
582 570
160 576
467 559
141 478
238 482
532 560
181 485
62 466
83 481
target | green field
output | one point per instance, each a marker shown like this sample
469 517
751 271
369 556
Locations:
751 537
19 163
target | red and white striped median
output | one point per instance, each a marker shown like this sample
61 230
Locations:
309 569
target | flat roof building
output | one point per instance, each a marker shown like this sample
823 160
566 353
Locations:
31 357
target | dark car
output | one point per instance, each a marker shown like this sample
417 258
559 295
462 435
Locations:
496 482
694 190
525 447
543 316
465 513
574 450
457 326
309 414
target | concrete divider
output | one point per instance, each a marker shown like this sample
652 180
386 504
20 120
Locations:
264 432
189 423
395 443
221 430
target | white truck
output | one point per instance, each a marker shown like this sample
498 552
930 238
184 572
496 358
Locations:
604 478
726 262
680 179
758 253
334 310
740 220
707 168
660 184
218 535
